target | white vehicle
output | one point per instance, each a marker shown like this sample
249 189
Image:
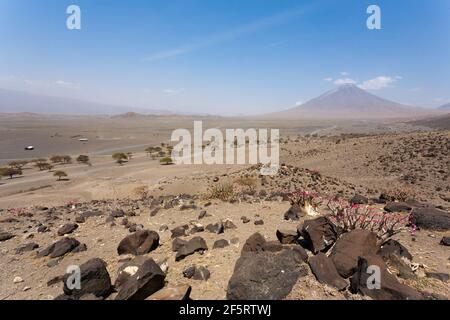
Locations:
83 140
29 148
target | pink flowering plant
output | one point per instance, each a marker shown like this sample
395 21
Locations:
353 216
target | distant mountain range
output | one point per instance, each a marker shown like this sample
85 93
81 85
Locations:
19 101
351 102
445 107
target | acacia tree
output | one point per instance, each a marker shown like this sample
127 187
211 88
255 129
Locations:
166 161
18 164
10 172
60 174
83 159
42 164
120 157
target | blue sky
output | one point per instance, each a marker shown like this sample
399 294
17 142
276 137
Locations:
225 56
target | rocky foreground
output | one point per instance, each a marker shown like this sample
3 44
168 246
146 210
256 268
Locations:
255 245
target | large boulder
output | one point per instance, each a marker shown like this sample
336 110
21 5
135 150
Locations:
139 243
67 229
445 241
431 218
128 269
94 278
349 247
294 213
147 280
319 234
389 287
325 271
192 246
265 275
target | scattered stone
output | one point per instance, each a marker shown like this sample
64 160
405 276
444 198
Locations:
43 229
325 271
259 222
163 228
222 243
4 236
203 214
117 214
245 220
59 248
180 231
154 212
445 241
201 273
17 280
217 228
197 228
228 224
26 247
169 293
80 219
319 234
192 246
139 243
359 199
190 206
148 279
80 248
177 243
349 247
287 236
400 266
95 280
189 272
67 229
431 219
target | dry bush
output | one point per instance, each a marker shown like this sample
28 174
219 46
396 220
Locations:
248 182
224 192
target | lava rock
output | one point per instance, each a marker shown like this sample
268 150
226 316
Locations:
359 199
394 247
349 247
177 243
139 243
222 243
67 229
180 231
287 236
325 271
389 287
217 228
177 293
444 277
445 241
4 236
95 280
319 234
192 246
26 247
148 279
431 219
398 207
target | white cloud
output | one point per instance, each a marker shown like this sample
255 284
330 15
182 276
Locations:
378 82
343 81
345 74
298 103
65 84
329 79
174 91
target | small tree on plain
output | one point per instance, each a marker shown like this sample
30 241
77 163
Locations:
83 159
60 174
120 157
10 172
166 161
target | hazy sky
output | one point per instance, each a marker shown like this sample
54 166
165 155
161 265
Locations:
225 56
